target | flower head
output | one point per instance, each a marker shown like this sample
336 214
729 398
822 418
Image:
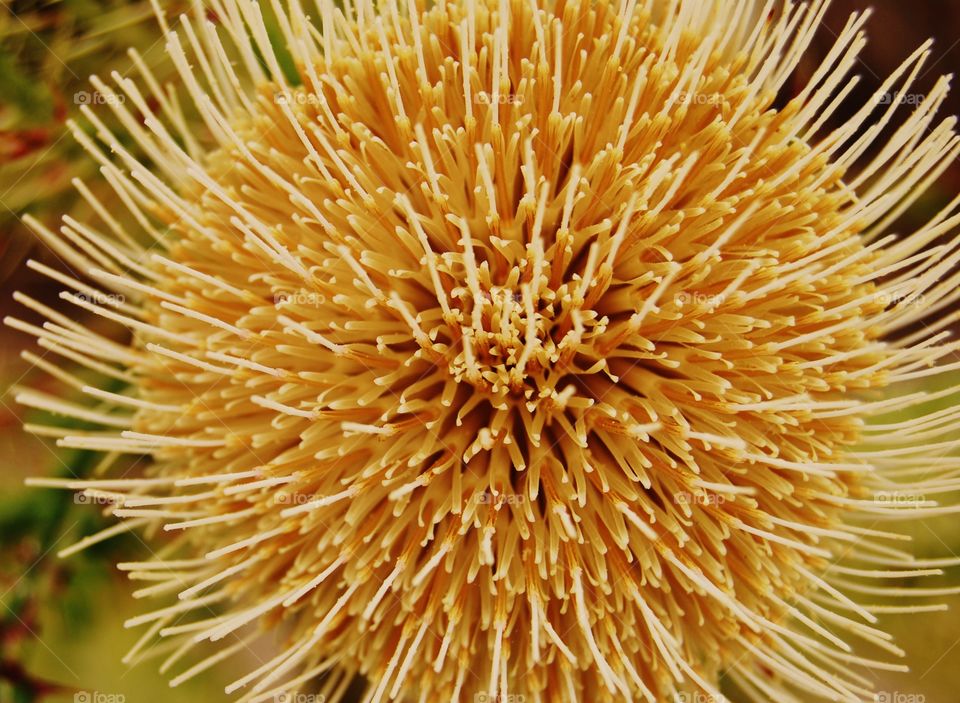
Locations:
517 348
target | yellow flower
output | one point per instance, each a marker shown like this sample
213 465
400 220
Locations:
521 349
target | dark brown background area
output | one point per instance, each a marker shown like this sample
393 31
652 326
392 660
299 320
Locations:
894 31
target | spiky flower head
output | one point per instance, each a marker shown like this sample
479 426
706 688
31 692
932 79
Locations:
517 348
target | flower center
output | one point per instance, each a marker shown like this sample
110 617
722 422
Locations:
519 341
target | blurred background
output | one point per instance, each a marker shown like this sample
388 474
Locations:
61 620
